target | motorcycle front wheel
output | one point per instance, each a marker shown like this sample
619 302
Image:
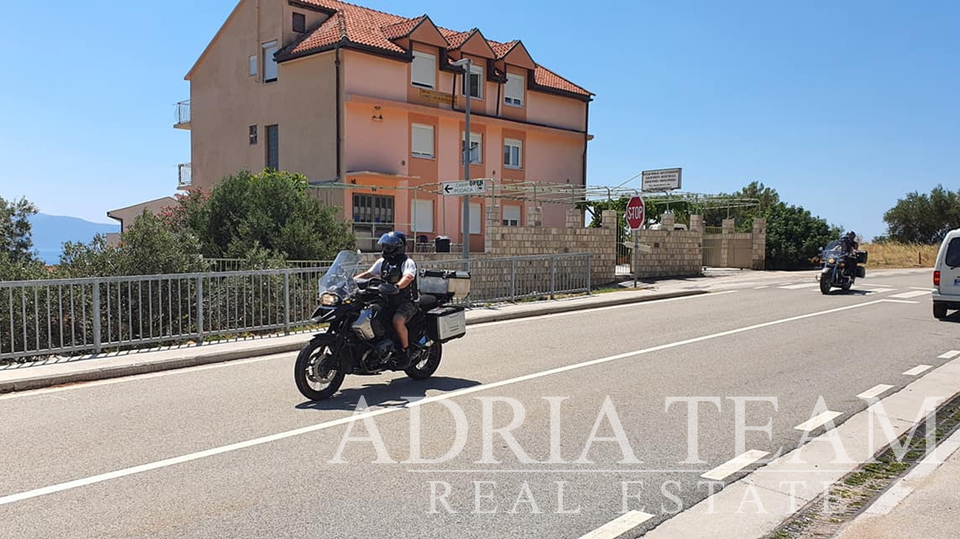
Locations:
426 364
824 284
318 372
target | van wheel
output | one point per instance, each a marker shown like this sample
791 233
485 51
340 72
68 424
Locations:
939 310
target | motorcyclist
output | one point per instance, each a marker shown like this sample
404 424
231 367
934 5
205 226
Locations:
395 267
849 246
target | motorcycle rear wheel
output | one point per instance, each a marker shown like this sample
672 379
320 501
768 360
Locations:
317 372
427 364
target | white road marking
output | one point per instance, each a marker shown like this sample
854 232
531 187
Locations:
818 421
912 294
733 466
761 288
919 369
800 286
921 288
875 391
618 527
950 355
359 416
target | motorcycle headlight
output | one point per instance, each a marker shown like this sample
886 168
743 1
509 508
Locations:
329 300
832 261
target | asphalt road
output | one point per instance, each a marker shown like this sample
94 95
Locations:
233 450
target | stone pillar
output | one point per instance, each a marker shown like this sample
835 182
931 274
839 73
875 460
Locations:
574 218
727 227
759 243
494 218
667 220
696 223
608 219
534 216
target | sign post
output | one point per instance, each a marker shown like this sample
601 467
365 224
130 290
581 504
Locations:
636 214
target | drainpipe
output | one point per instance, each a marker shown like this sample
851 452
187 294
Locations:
586 134
339 128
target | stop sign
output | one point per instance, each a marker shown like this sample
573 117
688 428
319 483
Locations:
635 213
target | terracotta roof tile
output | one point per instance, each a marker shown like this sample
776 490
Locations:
368 27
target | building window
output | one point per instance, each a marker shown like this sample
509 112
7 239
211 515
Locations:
253 65
476 148
253 134
422 141
512 153
372 209
299 23
423 71
270 68
273 147
475 219
421 215
475 82
514 90
511 216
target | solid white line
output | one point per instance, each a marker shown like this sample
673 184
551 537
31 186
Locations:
901 489
912 294
921 288
358 416
761 288
818 421
135 377
619 526
950 355
734 465
875 391
598 309
919 369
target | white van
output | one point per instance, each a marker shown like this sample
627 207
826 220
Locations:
946 276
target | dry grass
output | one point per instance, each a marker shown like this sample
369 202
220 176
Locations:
900 255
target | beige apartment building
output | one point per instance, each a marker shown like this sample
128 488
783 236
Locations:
368 103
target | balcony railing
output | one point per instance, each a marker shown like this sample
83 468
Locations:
185 174
183 115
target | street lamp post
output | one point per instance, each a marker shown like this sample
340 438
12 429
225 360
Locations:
466 64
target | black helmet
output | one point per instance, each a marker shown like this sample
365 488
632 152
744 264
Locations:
392 245
851 235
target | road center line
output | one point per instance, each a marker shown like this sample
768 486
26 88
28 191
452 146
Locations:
734 465
875 391
818 421
361 415
912 294
619 526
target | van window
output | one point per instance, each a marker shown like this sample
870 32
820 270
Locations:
953 253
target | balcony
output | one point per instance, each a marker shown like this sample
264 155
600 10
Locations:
185 174
183 115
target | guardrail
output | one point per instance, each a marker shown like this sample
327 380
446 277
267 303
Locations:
62 317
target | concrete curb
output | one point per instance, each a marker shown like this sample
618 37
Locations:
197 358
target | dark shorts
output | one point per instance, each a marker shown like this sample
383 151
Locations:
405 310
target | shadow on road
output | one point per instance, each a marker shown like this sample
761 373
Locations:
392 394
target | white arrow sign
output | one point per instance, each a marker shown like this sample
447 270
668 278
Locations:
464 188
642 247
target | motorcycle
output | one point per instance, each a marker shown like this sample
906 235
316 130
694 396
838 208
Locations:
360 338
840 269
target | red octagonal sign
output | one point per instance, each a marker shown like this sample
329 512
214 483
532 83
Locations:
635 213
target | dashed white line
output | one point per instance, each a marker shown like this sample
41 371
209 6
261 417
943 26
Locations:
912 294
734 465
618 527
761 288
875 391
950 355
818 421
919 369
800 286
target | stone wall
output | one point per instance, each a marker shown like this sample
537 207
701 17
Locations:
673 253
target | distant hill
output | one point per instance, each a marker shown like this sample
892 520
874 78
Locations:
51 231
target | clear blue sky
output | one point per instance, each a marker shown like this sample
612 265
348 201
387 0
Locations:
830 103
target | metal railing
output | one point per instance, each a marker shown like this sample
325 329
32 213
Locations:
240 264
62 317
185 174
183 113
